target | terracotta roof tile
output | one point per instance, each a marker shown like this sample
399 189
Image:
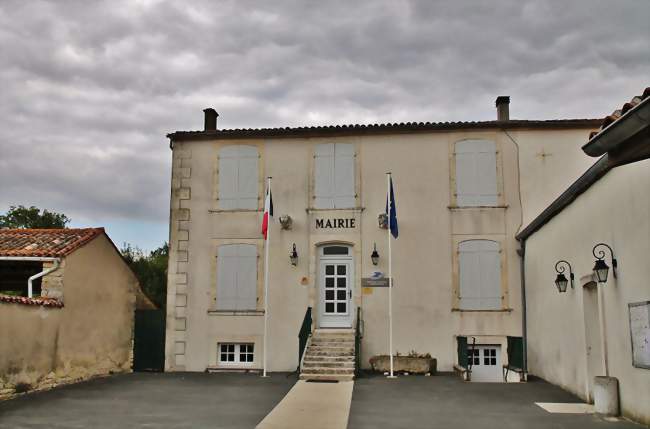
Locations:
373 129
45 242
618 113
45 302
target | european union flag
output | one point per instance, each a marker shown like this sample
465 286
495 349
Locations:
392 213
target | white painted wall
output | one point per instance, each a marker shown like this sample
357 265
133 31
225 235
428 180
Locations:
615 210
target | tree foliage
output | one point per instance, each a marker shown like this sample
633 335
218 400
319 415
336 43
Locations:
151 270
32 217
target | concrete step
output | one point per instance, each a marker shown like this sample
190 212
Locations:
325 370
327 377
333 331
334 348
349 358
332 339
330 351
325 364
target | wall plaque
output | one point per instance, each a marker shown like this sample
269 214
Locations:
371 282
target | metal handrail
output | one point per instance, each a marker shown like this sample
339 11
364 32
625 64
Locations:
470 362
358 335
303 336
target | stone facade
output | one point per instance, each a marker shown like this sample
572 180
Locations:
177 276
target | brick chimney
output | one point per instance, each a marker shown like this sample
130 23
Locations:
503 108
211 116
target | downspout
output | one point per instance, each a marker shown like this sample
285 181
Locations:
37 275
522 255
524 332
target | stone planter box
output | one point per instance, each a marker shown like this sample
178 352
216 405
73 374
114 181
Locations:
412 365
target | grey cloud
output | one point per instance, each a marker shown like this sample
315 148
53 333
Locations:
89 89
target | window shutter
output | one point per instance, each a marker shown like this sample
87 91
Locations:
238 177
248 178
226 277
247 277
237 277
479 275
490 268
344 194
228 170
476 173
324 176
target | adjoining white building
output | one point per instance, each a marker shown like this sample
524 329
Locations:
596 331
463 191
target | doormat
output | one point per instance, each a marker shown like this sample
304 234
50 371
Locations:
566 407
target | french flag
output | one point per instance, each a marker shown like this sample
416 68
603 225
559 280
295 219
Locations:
268 213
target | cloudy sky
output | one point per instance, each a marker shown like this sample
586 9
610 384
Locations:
89 89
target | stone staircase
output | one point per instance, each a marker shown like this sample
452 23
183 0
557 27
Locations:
329 356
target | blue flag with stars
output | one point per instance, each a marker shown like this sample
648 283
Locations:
392 216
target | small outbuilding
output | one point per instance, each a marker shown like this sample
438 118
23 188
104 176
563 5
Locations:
67 303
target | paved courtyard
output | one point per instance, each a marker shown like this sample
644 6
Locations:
198 400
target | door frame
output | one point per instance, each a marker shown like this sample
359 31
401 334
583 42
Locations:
343 321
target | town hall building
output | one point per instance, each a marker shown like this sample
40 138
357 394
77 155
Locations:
463 191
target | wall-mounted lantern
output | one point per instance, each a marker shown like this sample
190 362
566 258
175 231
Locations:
285 222
374 256
293 255
600 267
561 281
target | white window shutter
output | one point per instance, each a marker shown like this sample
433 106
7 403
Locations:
479 275
228 171
248 178
490 268
344 193
324 176
238 177
476 173
247 277
226 277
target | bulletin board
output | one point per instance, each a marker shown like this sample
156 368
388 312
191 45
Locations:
640 332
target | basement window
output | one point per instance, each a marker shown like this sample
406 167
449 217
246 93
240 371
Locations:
14 276
236 354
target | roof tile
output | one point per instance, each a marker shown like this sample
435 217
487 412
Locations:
45 242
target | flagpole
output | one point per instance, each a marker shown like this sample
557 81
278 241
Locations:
266 279
390 278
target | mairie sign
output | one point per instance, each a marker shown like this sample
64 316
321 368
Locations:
332 223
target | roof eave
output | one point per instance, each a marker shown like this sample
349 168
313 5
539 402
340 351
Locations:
379 129
619 131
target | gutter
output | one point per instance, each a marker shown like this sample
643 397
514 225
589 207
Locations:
37 275
632 122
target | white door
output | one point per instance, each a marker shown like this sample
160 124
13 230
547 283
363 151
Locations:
335 286
485 362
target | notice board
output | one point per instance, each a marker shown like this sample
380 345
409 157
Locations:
640 332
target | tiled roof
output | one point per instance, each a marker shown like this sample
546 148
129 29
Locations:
617 114
45 242
388 128
45 302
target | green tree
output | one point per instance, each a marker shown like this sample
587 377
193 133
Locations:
151 270
32 217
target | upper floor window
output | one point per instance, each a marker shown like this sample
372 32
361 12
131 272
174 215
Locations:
238 177
476 173
479 263
237 277
334 186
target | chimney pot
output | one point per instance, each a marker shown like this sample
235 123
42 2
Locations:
503 108
211 116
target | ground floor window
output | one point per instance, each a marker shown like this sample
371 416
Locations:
236 354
